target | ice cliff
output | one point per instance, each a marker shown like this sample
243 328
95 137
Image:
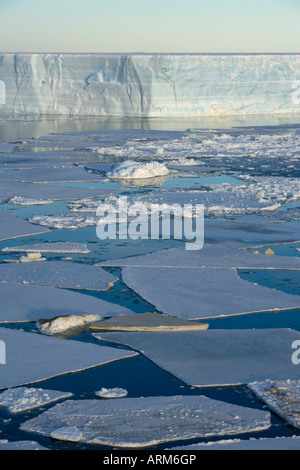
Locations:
147 85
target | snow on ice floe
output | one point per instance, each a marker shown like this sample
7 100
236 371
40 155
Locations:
64 221
20 445
56 356
13 227
137 170
116 392
20 399
25 201
49 247
63 324
204 293
216 357
271 443
28 302
142 422
282 397
58 274
148 321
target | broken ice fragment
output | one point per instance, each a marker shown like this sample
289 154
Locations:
111 392
21 399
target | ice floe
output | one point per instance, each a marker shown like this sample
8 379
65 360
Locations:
271 443
49 247
64 221
62 324
5 444
20 399
142 422
14 227
111 392
216 357
130 169
51 175
33 357
58 274
26 201
282 397
147 322
28 302
204 293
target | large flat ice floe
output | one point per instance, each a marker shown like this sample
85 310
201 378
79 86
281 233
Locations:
149 85
142 422
13 227
50 247
275 443
216 357
55 357
28 302
20 399
204 293
282 397
58 274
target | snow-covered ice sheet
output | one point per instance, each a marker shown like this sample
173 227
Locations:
146 322
49 247
58 274
142 422
27 303
282 397
271 443
14 227
204 293
216 357
20 399
32 357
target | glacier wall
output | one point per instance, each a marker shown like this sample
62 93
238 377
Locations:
149 85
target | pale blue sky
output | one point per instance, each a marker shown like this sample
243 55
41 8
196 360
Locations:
150 26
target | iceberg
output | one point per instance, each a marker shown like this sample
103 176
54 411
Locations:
149 85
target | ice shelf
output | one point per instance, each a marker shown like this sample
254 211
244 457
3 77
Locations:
154 85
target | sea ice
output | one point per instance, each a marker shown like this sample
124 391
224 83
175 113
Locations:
69 322
66 174
146 322
64 221
20 399
25 201
111 392
49 247
32 258
13 227
28 302
203 293
58 274
20 445
271 443
33 357
142 422
216 357
137 170
282 397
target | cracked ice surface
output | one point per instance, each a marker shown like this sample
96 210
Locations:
282 397
58 274
28 302
141 422
23 349
20 399
216 357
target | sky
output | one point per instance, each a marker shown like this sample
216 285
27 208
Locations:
166 26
